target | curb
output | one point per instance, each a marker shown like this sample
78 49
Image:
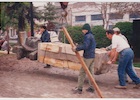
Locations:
5 52
137 68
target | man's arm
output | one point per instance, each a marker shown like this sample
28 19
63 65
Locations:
109 47
113 55
85 45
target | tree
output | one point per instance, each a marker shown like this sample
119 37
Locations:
106 8
18 10
6 20
50 15
127 7
17 14
49 12
38 14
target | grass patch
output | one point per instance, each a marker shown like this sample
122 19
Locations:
137 64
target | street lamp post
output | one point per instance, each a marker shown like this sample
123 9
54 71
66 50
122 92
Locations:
32 23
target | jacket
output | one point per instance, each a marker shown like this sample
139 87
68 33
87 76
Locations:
88 46
45 37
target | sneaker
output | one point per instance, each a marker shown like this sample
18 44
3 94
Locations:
76 90
90 90
47 66
137 86
120 87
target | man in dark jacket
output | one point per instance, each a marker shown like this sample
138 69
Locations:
88 46
45 37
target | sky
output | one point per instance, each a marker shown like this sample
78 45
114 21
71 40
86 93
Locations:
42 3
37 3
72 0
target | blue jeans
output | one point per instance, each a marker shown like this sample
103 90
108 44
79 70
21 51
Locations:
125 66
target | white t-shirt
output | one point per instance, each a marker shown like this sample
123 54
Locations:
119 43
123 37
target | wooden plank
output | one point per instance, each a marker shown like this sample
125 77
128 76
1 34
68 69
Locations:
59 63
60 56
51 47
83 63
57 47
101 57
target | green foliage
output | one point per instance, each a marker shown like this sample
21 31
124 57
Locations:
37 13
77 36
49 12
126 29
75 33
137 64
14 13
4 18
100 37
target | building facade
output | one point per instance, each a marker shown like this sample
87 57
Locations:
80 13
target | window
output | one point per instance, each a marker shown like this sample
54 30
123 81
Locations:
135 15
80 18
115 16
96 17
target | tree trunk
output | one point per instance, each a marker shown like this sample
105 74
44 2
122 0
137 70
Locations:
21 26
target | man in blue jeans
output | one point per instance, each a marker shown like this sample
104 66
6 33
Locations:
126 57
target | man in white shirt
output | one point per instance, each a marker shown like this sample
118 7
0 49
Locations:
126 56
118 32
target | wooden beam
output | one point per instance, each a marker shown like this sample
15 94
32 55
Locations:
83 63
57 48
50 47
66 53
59 63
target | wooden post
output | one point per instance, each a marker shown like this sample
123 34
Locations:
7 36
83 64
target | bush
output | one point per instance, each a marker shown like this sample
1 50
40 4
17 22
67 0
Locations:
100 37
75 33
126 29
77 36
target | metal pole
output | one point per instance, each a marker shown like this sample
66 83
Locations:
32 23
